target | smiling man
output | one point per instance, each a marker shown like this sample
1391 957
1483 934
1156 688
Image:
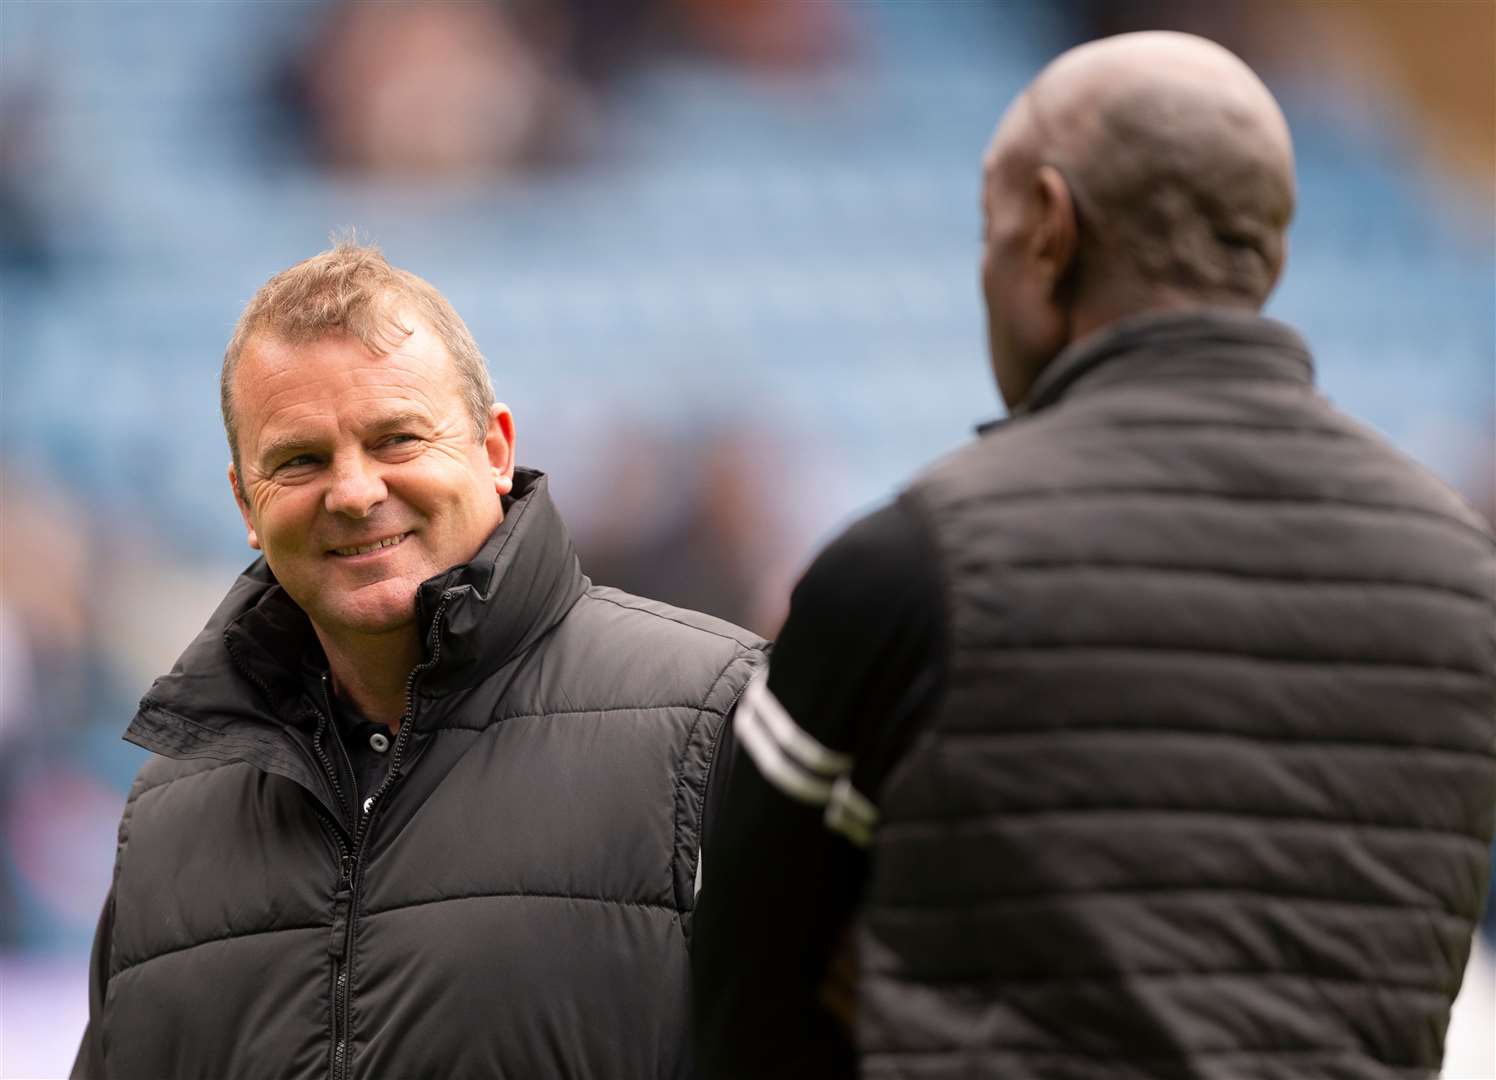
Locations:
426 802
361 475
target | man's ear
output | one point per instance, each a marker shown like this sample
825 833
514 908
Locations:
243 505
498 441
1056 237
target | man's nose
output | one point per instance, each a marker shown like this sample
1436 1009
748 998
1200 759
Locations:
357 487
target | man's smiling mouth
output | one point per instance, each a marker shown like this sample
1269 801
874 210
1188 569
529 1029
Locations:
365 549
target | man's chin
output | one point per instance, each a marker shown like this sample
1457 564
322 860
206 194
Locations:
381 608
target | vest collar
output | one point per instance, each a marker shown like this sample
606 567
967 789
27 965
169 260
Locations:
520 585
1200 344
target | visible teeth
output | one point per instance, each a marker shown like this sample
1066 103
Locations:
366 548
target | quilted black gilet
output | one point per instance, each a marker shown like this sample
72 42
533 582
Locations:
515 904
1210 791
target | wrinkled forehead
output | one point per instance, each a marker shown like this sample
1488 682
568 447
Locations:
339 362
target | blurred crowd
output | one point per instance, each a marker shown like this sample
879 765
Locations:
480 89
722 251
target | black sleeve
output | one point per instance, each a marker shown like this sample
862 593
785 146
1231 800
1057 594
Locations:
846 684
858 658
89 1064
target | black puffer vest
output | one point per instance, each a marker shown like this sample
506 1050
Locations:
514 903
1211 791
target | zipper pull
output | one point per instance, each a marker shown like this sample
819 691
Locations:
346 869
337 940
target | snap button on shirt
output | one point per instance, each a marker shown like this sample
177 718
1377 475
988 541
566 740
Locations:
379 742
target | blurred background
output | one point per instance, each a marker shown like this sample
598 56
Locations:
721 255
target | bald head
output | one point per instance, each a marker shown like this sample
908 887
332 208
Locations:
1178 159
1170 163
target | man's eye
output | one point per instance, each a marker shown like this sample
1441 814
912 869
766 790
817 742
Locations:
298 461
396 440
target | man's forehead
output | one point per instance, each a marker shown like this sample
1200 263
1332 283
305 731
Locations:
409 351
283 380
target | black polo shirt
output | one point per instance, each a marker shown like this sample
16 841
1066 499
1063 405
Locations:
358 748
368 746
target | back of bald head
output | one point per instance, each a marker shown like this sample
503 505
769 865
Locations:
1179 163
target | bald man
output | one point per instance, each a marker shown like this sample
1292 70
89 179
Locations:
1151 733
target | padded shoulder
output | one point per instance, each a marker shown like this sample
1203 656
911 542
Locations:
686 619
626 650
158 771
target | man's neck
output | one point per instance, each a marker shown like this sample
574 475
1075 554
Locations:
371 673
1106 309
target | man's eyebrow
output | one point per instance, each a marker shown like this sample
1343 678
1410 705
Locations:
286 446
408 419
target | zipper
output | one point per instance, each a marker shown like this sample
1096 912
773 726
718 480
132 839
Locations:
352 861
343 750
342 897
337 947
323 723
345 856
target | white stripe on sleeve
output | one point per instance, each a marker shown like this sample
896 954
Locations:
777 767
850 813
792 739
